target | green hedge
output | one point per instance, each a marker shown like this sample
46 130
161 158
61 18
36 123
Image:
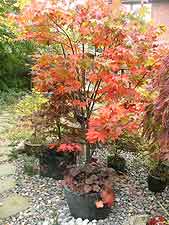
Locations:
14 55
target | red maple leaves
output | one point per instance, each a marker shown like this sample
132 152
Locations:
73 147
107 199
158 220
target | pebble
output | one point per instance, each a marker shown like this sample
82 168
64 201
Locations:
85 222
79 221
48 203
46 223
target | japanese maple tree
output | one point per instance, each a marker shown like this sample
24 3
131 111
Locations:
95 57
156 120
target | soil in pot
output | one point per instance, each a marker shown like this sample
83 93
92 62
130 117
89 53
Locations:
53 164
156 184
118 163
82 205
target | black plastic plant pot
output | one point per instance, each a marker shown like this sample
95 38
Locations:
156 184
118 163
83 205
165 169
53 164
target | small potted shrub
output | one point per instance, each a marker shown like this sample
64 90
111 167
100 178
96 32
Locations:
88 190
157 178
34 145
54 160
115 161
28 115
127 142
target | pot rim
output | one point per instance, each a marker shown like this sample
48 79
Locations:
81 194
31 144
156 177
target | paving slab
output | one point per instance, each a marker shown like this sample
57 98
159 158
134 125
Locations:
3 158
5 150
13 205
7 185
137 220
7 169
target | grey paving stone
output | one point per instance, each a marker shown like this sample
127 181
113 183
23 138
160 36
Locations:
13 205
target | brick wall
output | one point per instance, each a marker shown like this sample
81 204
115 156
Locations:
160 14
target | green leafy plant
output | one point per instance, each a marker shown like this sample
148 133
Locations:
15 55
31 165
30 104
27 109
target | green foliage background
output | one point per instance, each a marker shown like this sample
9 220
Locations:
15 56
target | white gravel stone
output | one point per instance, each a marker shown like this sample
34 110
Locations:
90 223
85 222
79 221
72 222
46 194
45 223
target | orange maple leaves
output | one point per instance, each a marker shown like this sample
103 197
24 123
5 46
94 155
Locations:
112 121
107 199
87 47
73 147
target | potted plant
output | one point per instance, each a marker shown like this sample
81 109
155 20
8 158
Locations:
127 142
157 178
92 99
54 160
88 190
28 113
34 145
115 161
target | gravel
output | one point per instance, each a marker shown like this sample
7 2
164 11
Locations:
48 203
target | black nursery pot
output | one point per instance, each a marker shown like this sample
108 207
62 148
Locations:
156 184
53 164
117 162
83 205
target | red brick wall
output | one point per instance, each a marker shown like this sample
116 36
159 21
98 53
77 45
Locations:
160 14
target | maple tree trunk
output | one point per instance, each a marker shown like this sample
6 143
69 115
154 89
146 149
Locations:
88 155
87 150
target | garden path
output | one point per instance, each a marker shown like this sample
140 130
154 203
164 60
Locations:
10 202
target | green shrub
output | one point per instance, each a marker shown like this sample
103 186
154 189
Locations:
15 56
31 165
129 143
